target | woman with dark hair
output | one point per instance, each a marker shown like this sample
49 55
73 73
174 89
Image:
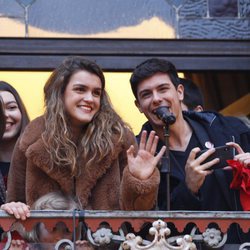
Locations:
80 146
16 119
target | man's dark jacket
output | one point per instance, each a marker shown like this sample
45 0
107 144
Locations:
215 193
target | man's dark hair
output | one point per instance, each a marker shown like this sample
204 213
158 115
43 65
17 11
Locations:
192 94
150 67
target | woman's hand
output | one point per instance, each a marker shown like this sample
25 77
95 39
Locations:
143 164
18 209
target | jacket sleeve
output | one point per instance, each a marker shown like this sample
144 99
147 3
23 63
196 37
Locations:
136 194
16 176
139 194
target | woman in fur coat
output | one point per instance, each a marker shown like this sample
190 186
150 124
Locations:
80 146
13 120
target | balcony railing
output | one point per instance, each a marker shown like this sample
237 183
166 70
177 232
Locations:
124 230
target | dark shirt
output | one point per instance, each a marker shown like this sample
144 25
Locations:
4 170
178 161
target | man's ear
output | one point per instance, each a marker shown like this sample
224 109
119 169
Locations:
198 108
180 92
137 104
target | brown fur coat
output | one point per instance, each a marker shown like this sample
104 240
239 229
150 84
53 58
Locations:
99 188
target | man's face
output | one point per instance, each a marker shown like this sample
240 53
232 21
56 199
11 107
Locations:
156 91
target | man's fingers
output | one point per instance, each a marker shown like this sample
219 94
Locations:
205 155
237 146
209 164
193 153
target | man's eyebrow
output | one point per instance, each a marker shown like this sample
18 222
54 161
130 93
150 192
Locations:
143 91
165 83
159 86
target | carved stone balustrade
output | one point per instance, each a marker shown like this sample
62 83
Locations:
110 230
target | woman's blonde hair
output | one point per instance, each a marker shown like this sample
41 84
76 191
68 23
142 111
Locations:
50 201
56 201
99 138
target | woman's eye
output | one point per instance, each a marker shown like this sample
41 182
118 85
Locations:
12 107
97 93
79 89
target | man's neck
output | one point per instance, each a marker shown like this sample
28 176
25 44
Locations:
179 134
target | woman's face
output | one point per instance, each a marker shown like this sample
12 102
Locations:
82 98
13 116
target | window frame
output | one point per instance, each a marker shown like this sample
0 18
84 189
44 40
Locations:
114 55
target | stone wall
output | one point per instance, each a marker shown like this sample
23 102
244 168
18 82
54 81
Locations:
157 19
214 19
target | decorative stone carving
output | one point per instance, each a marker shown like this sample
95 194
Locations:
245 246
103 236
160 232
212 237
68 245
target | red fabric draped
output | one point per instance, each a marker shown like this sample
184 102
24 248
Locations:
241 181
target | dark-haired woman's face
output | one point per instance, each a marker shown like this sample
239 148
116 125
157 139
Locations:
13 116
82 98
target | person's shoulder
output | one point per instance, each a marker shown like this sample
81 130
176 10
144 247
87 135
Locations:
237 123
215 120
32 132
203 117
35 126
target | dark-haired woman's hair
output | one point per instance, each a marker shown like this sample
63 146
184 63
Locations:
2 119
97 139
4 86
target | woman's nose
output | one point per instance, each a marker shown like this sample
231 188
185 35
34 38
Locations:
6 113
88 97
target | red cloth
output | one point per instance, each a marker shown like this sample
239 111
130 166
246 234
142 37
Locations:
241 181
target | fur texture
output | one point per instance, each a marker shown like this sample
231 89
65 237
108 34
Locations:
99 187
